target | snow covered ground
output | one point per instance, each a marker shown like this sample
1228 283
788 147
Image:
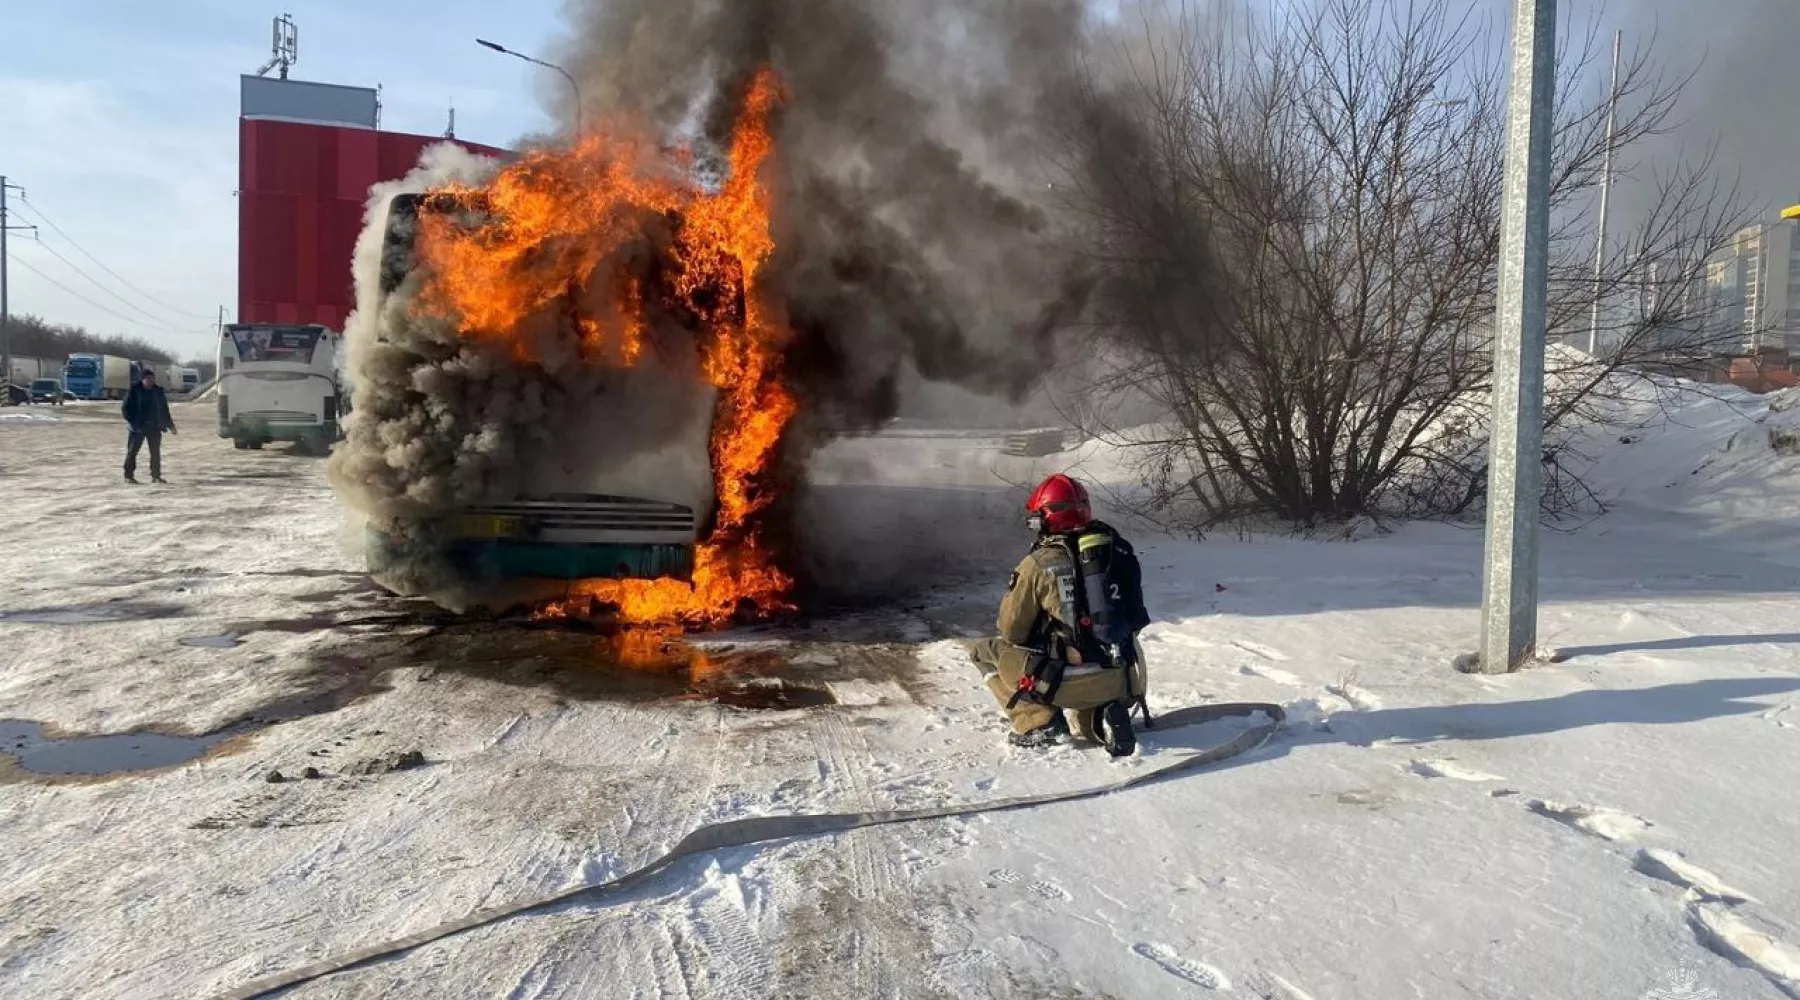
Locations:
1620 822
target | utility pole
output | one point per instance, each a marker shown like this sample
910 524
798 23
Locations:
1515 461
1606 170
218 339
5 314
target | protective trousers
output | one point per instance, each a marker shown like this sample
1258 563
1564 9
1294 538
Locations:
1002 665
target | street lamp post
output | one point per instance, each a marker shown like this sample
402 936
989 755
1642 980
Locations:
576 87
1606 176
1515 466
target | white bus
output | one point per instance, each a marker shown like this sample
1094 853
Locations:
279 382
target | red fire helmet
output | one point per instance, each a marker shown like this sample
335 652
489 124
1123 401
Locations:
1062 503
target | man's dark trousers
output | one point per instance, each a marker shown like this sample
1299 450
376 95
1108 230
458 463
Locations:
137 439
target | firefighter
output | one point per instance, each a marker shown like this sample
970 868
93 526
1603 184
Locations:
1068 628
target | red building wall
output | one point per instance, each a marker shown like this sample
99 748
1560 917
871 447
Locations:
302 190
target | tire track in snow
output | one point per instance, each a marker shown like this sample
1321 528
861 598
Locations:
672 778
841 748
541 978
719 942
678 977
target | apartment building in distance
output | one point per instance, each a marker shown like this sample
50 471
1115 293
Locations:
1751 297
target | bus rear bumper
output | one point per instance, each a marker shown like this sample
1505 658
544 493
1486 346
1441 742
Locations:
524 553
252 431
518 559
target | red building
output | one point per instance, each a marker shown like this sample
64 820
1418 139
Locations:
307 155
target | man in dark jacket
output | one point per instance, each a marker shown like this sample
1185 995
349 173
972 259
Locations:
146 410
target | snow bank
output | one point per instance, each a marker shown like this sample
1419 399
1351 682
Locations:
1695 441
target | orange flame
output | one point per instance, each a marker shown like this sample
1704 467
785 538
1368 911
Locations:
556 220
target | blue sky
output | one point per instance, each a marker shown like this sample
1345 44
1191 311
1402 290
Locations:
119 118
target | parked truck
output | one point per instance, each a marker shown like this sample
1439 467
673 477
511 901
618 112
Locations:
27 370
21 373
98 376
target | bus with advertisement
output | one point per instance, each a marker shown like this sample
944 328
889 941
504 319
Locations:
279 382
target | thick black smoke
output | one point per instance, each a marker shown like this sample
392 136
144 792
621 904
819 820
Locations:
910 220
1740 100
913 222
914 238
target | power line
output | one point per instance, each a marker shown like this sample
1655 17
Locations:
159 321
105 309
45 219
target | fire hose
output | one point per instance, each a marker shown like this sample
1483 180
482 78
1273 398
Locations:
764 829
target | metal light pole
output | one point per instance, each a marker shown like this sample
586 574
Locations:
1612 109
1515 463
576 87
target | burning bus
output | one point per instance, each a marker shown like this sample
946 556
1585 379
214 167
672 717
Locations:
535 545
530 325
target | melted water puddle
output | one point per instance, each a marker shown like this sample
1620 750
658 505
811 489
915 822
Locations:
98 614
98 756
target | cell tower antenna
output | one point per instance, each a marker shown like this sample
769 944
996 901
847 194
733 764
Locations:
450 130
284 46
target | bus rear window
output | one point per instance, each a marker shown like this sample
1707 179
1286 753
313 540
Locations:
275 343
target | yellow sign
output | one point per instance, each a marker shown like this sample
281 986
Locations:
472 526
1791 212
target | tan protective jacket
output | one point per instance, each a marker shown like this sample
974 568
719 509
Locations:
1040 596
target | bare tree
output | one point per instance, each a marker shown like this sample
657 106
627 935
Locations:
1298 235
35 337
